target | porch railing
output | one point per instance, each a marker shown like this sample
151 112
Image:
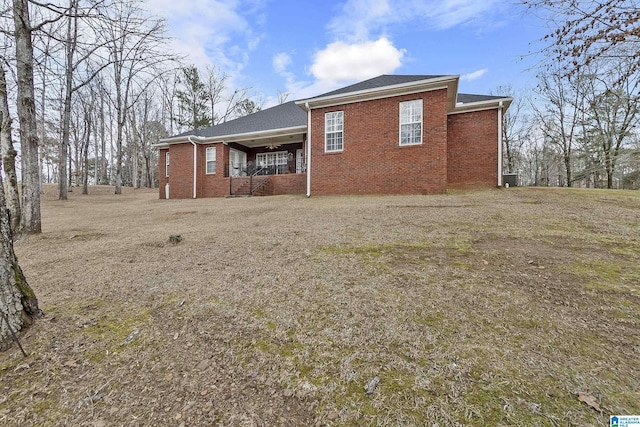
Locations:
236 169
244 170
250 169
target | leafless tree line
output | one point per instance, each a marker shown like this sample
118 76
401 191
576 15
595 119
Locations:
94 86
579 126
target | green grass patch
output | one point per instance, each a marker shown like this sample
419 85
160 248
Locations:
616 276
110 331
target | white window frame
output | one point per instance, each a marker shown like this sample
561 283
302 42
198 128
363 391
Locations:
336 130
277 159
209 160
412 117
166 164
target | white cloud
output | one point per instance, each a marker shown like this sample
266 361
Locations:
343 62
360 18
209 31
281 61
474 75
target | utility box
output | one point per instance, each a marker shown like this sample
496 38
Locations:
510 179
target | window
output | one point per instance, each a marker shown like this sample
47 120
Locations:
411 122
272 163
211 160
333 127
166 164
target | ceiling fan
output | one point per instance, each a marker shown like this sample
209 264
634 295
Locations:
273 146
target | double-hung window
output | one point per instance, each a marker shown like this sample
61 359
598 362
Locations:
333 131
166 164
411 122
211 160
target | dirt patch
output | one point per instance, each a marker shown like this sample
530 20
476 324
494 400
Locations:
482 308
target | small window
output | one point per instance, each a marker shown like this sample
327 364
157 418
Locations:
333 131
166 164
211 160
411 122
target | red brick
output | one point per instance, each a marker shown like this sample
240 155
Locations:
372 160
473 149
457 151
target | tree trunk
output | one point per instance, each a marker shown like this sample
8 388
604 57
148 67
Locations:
120 120
18 303
567 167
104 180
31 221
85 153
8 156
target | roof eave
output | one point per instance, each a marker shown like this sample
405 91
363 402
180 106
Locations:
269 133
481 105
444 82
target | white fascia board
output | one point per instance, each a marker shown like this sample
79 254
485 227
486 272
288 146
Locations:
258 135
445 82
164 143
481 106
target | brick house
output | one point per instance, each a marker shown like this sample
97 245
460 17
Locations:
393 134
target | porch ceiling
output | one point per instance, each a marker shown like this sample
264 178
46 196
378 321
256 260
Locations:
269 141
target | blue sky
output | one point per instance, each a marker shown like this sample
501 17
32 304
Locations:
308 47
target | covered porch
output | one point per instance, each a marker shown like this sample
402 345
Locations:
266 170
266 164
260 154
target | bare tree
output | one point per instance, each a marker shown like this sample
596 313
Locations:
18 303
31 222
134 48
231 104
216 84
586 30
283 95
611 113
8 155
148 129
561 116
515 127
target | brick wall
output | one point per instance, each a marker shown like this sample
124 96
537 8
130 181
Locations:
372 160
458 151
180 171
473 149
288 184
213 185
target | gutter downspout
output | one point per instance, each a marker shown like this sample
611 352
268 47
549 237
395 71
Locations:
500 144
308 149
195 164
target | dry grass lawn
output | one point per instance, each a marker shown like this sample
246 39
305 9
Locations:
515 307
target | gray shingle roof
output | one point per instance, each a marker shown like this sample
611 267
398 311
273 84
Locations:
380 81
290 115
467 98
279 117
